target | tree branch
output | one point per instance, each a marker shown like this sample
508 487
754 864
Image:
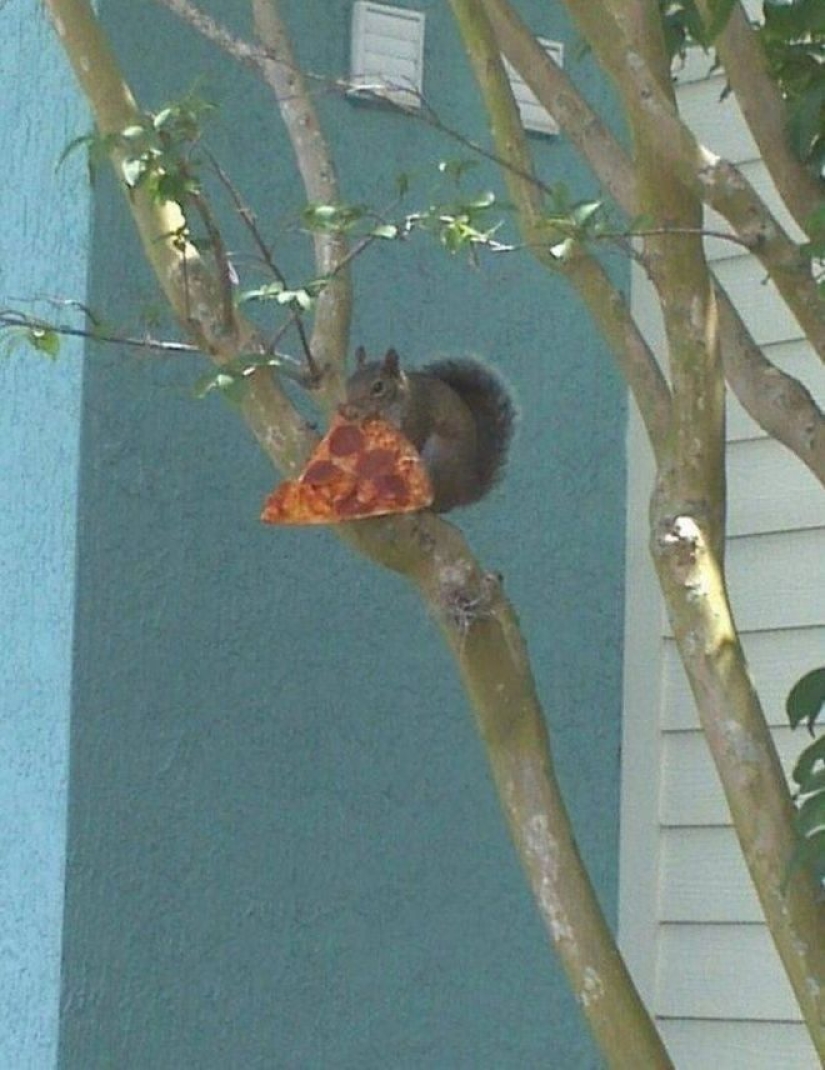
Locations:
478 621
726 189
764 110
333 313
778 402
733 722
621 1025
13 320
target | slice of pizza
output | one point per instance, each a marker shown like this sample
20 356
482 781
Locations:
361 468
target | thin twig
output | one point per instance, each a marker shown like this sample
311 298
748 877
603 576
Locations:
222 265
247 217
10 319
249 220
283 362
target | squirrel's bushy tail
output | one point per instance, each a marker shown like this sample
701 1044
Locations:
492 407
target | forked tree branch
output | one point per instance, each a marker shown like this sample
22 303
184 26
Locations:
478 622
275 62
687 543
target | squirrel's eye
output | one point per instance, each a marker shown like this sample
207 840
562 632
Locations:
377 388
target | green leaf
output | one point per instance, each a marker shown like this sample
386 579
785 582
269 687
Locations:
483 200
815 222
302 298
333 217
451 238
269 292
44 340
806 767
205 384
810 817
793 37
809 852
388 231
673 26
794 18
813 250
175 186
321 211
235 391
814 782
230 384
133 171
584 212
86 140
805 124
162 117
683 24
562 249
133 133
806 698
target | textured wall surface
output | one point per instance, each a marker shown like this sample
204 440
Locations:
43 247
285 846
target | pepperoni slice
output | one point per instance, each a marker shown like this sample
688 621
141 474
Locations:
321 472
346 440
390 485
375 463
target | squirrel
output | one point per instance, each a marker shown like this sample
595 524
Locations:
457 414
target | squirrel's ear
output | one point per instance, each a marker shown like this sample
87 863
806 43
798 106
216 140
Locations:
360 357
391 362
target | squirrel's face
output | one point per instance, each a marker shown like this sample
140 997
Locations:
381 389
376 389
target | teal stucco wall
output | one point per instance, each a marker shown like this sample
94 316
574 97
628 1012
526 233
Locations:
284 848
43 253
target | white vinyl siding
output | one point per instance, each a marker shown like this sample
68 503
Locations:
690 923
387 52
534 115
